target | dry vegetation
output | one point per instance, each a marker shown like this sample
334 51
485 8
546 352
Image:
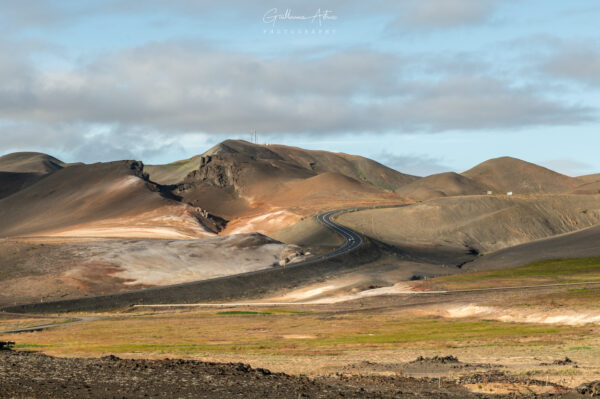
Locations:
556 271
319 340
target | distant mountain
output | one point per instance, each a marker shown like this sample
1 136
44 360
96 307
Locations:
482 223
235 186
103 199
588 188
447 184
12 182
29 162
21 169
285 157
589 178
237 179
511 174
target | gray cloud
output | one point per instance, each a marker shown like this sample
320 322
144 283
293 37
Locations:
569 167
81 142
442 14
472 103
139 102
418 165
579 62
405 15
186 87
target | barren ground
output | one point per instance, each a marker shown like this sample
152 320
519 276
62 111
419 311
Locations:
372 342
54 268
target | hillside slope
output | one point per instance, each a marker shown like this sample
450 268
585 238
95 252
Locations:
29 162
588 188
105 199
447 184
21 169
314 162
12 182
578 244
589 178
511 174
58 268
266 188
480 223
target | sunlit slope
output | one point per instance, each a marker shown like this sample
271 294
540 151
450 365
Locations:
481 223
104 199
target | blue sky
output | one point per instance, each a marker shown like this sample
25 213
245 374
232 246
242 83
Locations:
423 86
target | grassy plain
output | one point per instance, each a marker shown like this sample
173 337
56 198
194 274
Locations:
556 271
322 339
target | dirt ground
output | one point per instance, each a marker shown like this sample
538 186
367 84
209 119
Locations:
33 375
43 268
382 346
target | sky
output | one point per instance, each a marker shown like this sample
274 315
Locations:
423 86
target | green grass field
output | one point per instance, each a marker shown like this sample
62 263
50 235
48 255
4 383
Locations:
554 271
269 333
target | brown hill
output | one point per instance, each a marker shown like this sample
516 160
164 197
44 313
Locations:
589 184
21 169
589 178
447 184
578 244
589 188
231 184
104 199
511 174
353 166
269 187
481 223
29 162
11 182
314 162
308 233
325 186
174 172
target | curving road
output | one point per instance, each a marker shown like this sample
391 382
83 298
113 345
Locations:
352 241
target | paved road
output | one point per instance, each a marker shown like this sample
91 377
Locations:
51 325
352 241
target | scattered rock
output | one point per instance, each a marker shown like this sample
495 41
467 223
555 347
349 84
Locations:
589 388
33 375
561 362
436 359
6 345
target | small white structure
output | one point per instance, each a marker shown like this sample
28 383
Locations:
509 193
489 193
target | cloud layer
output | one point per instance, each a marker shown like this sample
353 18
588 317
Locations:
130 100
183 87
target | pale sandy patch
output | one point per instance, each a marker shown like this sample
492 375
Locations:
396 289
169 221
162 262
519 315
337 291
265 223
298 336
503 388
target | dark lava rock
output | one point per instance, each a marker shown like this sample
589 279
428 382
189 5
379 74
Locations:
436 359
590 388
34 375
6 345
